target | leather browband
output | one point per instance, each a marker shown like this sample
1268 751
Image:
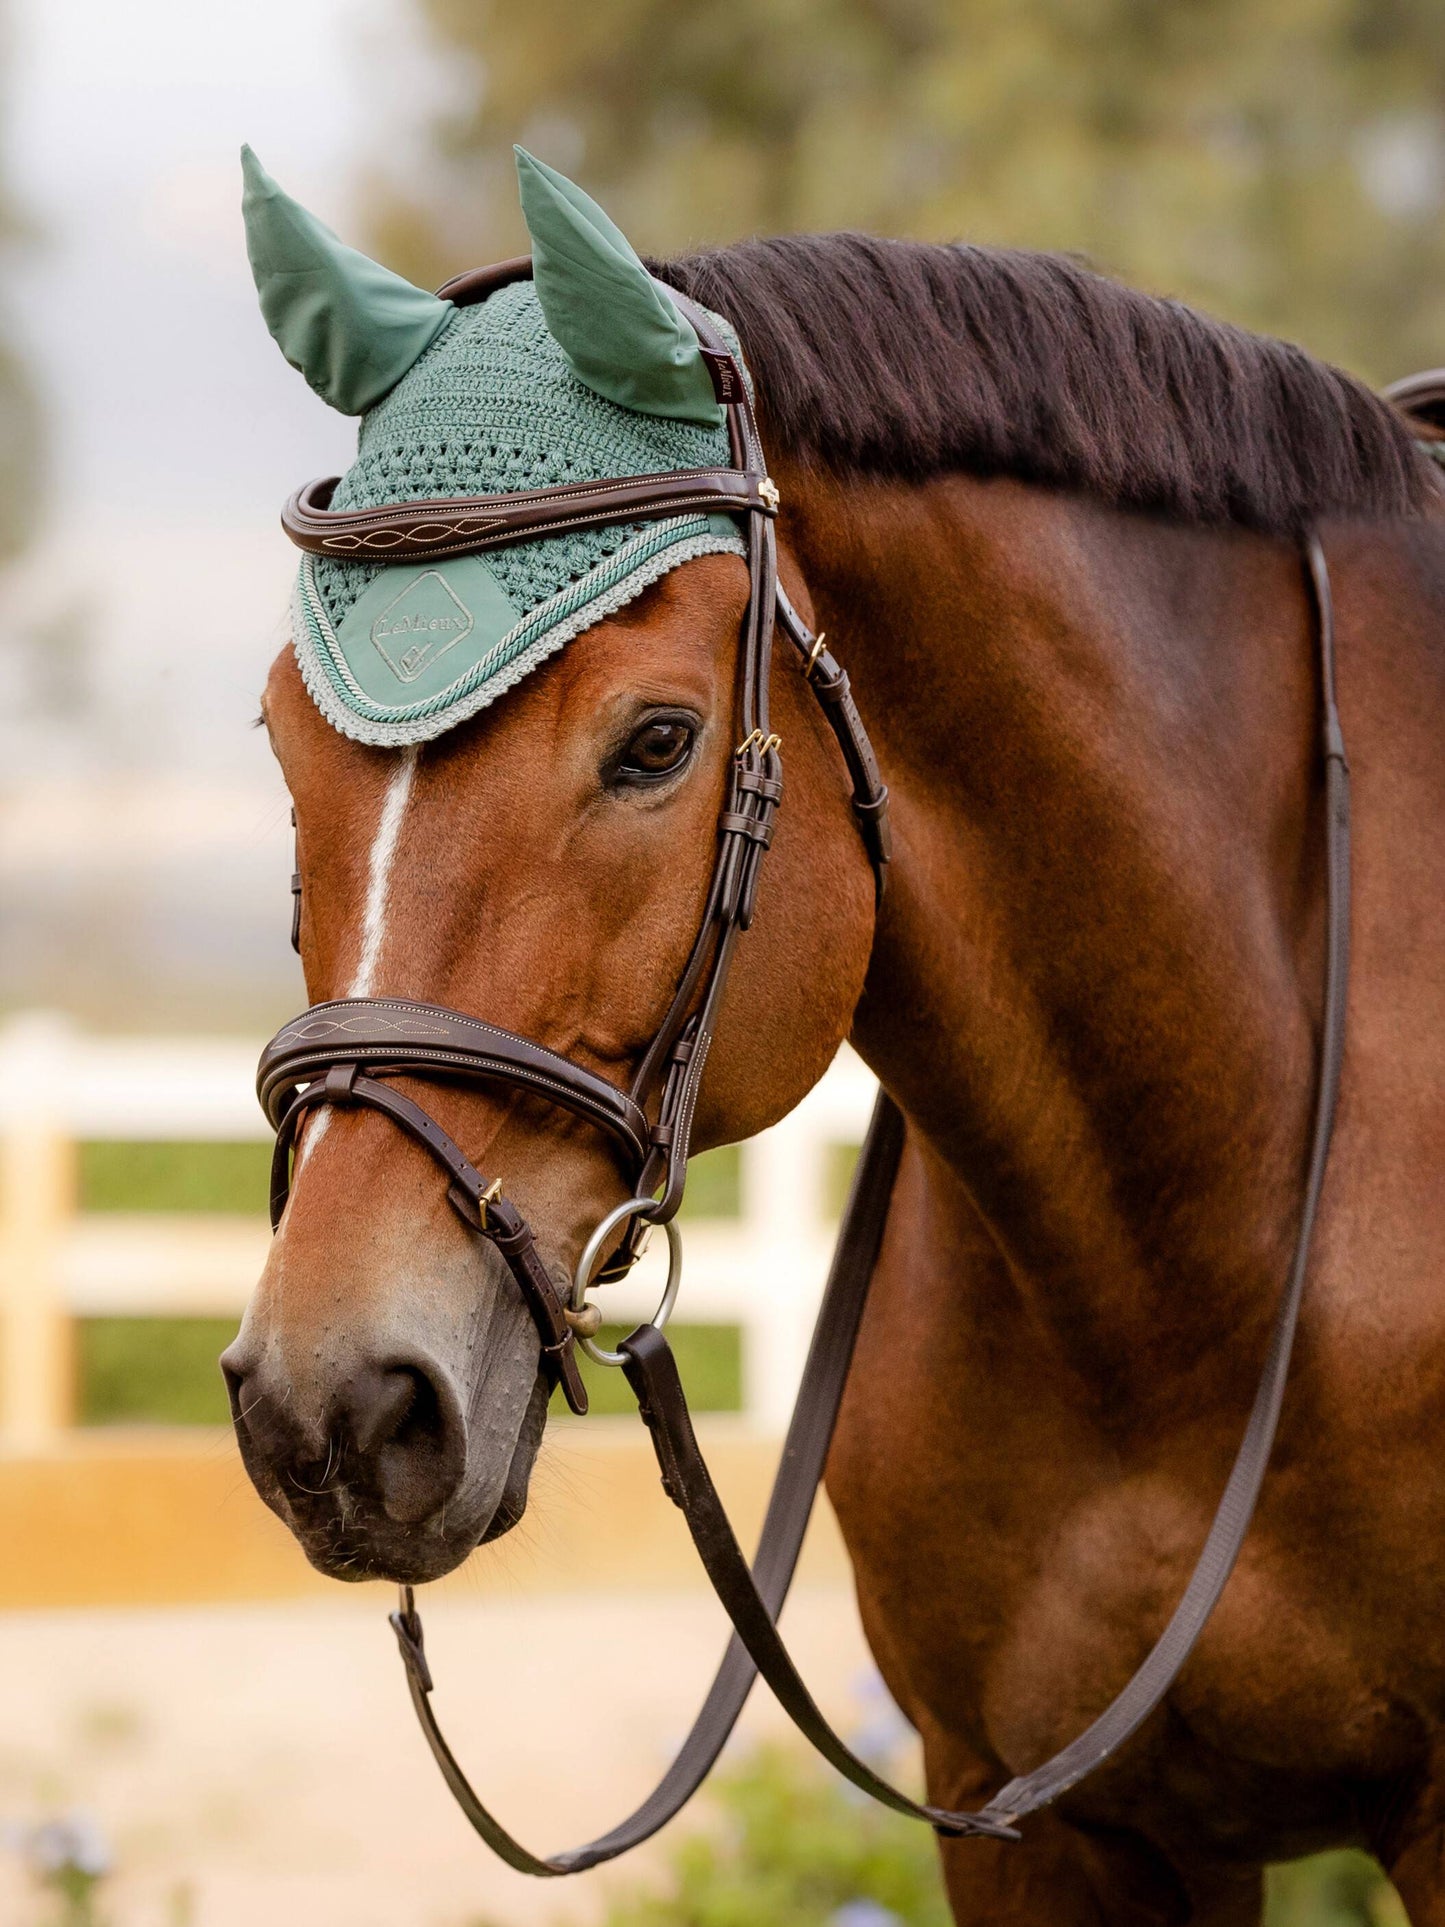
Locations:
465 524
475 284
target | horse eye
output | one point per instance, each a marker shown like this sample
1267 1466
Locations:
658 749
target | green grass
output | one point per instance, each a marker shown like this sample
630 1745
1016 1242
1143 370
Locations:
714 1184
191 1176
152 1371
236 1178
791 1846
163 1371
1332 1890
839 1163
710 1358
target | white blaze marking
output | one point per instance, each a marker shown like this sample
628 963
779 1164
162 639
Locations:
378 885
373 920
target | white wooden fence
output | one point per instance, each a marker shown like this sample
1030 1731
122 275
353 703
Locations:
59 1087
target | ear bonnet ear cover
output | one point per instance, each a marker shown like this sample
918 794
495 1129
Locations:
621 331
491 401
351 327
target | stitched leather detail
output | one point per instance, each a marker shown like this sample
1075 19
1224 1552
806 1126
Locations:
456 525
394 1035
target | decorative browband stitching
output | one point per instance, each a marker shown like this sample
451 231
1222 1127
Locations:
471 523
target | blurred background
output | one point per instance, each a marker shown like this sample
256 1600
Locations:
191 1730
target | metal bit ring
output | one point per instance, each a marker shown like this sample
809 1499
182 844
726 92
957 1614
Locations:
592 1256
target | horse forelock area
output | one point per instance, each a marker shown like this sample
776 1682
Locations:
904 359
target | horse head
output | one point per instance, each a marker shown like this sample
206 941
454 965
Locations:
508 774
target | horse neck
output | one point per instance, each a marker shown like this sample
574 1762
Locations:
1094 980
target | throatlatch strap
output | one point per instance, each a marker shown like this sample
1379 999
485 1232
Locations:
789 1509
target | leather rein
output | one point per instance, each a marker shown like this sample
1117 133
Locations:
345 1053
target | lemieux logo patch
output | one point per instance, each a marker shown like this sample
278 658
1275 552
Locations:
419 625
417 628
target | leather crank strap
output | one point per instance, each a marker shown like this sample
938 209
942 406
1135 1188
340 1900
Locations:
789 1509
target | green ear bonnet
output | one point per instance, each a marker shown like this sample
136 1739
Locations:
587 373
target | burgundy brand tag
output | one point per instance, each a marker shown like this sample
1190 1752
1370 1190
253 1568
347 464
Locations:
727 382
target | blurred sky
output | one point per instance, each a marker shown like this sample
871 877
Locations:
175 426
166 394
139 812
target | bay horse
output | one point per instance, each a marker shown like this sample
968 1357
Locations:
1053 527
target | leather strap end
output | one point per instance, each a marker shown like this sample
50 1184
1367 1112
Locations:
873 822
407 1627
649 1369
757 829
828 676
563 1361
339 1081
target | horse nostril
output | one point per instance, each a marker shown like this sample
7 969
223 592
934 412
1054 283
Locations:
387 1404
235 1367
392 1433
405 1426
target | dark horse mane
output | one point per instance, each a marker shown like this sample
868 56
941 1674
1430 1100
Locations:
901 359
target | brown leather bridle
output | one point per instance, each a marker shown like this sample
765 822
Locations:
345 1052
342 1053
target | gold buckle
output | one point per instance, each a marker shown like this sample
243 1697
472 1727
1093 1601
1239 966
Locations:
814 653
490 1196
756 739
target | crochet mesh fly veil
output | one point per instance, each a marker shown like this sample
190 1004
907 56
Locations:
478 400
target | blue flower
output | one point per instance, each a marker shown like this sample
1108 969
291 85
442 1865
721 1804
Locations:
864 1913
73 1843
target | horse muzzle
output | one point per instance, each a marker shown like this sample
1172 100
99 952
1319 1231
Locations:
394 1457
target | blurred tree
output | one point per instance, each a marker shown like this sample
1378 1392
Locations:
1280 162
19 412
